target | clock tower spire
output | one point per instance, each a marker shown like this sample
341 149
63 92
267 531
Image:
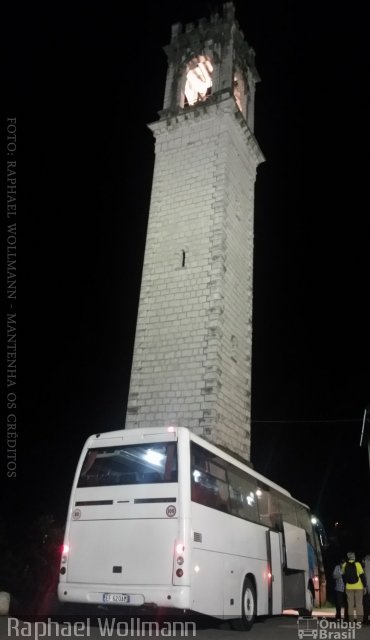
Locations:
193 346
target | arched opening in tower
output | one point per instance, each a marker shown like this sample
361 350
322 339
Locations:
198 85
240 94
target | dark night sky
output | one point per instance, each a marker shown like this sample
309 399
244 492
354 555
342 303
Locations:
83 80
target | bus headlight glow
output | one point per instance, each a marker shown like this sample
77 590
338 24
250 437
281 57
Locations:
196 568
180 548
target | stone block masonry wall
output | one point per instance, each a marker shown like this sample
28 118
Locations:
232 425
192 354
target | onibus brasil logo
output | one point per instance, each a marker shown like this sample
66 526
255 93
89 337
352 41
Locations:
322 628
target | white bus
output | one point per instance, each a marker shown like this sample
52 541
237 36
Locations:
161 517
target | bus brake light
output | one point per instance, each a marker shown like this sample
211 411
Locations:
65 551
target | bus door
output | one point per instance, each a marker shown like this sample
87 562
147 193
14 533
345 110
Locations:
296 567
275 572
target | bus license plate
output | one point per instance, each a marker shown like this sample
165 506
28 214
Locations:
114 598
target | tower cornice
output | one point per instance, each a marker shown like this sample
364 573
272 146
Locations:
222 104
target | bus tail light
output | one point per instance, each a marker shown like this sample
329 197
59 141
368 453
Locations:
64 559
65 552
179 560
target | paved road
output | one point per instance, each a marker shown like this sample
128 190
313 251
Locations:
279 628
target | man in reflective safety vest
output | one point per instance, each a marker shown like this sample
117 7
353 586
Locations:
354 588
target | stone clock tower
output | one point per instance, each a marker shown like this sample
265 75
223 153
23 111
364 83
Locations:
193 346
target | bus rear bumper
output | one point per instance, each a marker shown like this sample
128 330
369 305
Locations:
151 596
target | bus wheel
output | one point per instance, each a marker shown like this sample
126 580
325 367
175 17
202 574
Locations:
245 623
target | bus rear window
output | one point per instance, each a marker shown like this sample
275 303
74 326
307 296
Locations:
131 464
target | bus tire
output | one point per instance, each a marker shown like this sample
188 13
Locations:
248 608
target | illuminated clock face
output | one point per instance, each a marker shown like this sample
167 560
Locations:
198 80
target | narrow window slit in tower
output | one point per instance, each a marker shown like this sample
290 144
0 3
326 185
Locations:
183 259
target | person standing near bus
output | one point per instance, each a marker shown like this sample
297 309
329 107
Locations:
355 581
340 597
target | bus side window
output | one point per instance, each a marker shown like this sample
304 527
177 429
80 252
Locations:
201 492
267 507
170 469
223 496
243 495
304 519
287 510
209 491
208 479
